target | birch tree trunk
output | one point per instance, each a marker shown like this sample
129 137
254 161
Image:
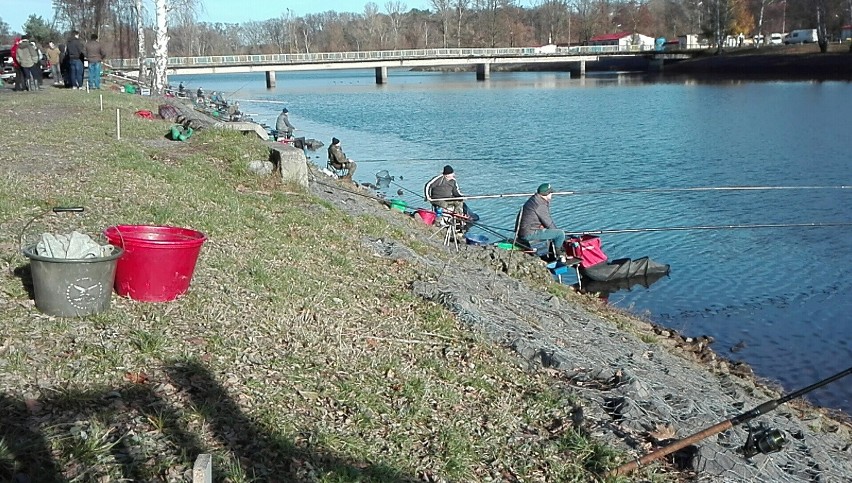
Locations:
140 35
161 47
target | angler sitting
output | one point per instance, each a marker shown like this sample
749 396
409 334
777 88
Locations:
337 159
444 194
534 222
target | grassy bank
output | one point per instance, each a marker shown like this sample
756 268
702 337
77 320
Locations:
297 355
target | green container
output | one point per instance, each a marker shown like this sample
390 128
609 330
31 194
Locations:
398 205
72 287
506 246
129 89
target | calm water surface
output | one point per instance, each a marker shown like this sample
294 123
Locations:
781 297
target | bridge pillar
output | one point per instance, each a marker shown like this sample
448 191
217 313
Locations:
483 72
270 79
381 75
582 68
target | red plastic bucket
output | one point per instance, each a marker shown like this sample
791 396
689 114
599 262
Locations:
158 261
428 216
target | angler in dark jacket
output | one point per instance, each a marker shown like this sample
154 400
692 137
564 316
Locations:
535 223
337 159
442 187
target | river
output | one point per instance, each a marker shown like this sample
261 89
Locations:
777 298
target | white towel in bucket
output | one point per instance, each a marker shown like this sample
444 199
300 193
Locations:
75 245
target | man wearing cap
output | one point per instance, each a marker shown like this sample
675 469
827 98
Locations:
283 127
444 186
337 159
535 223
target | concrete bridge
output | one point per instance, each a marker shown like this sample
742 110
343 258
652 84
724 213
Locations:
382 60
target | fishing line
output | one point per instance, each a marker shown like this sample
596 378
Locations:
655 190
257 100
421 159
714 227
406 189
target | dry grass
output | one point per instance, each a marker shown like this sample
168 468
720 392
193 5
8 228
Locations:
297 355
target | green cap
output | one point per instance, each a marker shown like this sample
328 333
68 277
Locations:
544 189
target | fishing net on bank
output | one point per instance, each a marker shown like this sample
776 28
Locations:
639 396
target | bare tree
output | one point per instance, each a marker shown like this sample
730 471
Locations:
164 8
461 7
552 19
444 10
141 54
161 46
822 20
395 10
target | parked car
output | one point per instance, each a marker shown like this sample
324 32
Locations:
802 36
776 38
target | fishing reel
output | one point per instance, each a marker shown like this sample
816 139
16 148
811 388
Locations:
763 440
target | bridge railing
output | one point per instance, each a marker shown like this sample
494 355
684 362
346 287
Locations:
323 57
326 57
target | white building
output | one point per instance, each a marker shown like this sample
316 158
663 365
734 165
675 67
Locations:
624 41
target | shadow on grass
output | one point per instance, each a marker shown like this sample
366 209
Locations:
32 432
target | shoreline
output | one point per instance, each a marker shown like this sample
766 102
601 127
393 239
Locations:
635 384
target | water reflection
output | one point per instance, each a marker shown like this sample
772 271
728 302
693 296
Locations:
604 289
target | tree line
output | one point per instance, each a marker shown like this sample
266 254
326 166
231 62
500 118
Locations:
447 23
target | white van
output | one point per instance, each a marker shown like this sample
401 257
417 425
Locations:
803 36
776 39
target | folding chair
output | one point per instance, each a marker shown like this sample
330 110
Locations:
449 224
338 172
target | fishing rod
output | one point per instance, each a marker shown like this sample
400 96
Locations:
257 100
654 190
420 159
762 441
713 227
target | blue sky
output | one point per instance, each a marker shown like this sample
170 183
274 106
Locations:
15 12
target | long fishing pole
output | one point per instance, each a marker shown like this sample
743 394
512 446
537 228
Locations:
420 159
712 227
724 425
654 190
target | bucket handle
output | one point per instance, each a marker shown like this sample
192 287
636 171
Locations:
120 236
55 209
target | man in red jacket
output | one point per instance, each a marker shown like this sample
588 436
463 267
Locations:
19 73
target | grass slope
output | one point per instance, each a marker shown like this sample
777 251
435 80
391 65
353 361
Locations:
297 355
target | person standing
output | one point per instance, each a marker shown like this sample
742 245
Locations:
74 50
535 223
337 159
53 57
283 128
95 54
19 73
443 191
28 60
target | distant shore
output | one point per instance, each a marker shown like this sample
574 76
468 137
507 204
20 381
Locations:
780 62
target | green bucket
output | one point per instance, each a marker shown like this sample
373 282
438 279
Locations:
72 287
398 205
